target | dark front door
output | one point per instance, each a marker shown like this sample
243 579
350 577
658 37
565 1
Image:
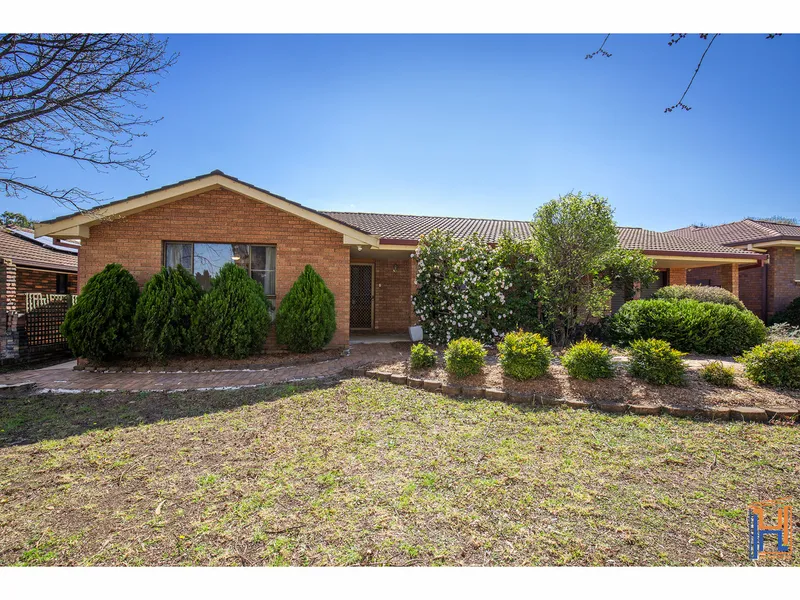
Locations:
360 296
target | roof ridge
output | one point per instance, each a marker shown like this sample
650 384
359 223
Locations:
356 212
760 224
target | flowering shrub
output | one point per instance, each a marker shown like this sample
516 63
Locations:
461 289
464 357
422 356
524 355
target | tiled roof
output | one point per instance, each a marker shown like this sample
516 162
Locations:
740 232
410 227
24 251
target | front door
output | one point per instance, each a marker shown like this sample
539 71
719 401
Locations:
361 297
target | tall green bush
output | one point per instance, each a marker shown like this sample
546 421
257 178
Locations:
689 326
701 293
99 326
164 312
232 319
306 318
790 314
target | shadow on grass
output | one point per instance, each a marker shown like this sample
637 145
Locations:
32 419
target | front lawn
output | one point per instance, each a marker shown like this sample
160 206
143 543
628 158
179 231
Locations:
373 474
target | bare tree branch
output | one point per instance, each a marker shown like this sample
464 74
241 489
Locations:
680 103
76 96
600 50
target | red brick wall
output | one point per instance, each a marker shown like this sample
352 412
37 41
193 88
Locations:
392 295
751 289
703 275
43 282
781 286
676 276
222 216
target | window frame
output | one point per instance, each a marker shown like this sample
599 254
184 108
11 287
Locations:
65 278
249 266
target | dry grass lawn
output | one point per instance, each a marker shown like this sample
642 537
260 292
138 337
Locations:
366 473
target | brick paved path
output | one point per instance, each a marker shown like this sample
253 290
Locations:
361 355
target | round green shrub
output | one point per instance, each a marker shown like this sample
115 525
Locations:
689 325
790 314
524 355
716 373
232 319
163 318
588 360
306 319
422 356
657 362
99 326
464 357
701 293
773 363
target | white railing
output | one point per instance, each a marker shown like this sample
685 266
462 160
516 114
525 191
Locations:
34 300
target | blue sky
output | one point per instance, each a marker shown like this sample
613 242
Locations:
481 126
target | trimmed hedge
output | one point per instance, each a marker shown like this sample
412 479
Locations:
232 319
464 357
99 326
790 314
588 360
422 356
701 293
524 355
774 363
689 325
306 319
163 318
657 362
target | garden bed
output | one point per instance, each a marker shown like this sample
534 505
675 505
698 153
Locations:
622 388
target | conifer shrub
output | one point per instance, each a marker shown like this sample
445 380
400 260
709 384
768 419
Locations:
163 318
524 355
588 360
306 318
232 319
718 374
774 363
422 356
464 357
99 326
657 362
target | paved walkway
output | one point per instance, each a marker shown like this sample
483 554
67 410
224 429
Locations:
67 380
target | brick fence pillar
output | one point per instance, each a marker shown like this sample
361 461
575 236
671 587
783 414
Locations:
9 336
676 277
729 278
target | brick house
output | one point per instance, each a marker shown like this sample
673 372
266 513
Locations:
32 272
766 288
364 258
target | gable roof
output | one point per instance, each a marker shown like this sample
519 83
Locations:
746 231
403 228
24 251
78 224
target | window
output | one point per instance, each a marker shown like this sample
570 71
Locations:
205 261
61 283
797 265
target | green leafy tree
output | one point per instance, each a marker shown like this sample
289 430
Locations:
232 319
571 237
306 318
99 326
626 268
15 219
164 312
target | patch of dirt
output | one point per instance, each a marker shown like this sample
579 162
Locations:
621 388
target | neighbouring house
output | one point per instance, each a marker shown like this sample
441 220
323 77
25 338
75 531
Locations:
365 258
38 277
765 288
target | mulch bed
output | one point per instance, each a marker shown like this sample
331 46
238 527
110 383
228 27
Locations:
205 363
622 388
